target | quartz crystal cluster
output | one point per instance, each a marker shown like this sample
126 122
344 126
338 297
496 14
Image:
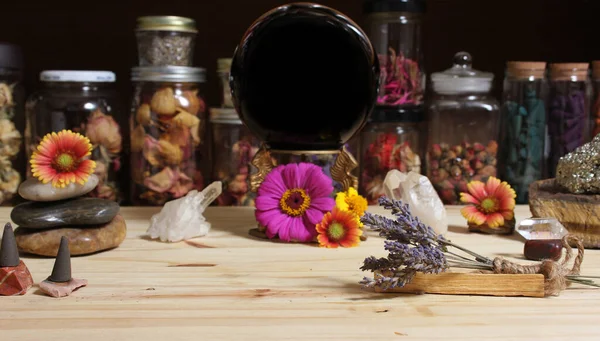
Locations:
417 191
578 171
183 218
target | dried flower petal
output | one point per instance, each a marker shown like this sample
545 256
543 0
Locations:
164 102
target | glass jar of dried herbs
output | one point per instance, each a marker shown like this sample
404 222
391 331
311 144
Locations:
463 129
569 123
523 127
84 102
233 148
12 121
167 134
387 143
596 97
395 28
166 40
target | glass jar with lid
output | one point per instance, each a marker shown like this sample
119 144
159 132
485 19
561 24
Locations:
523 127
12 121
223 68
596 97
388 143
233 148
166 40
463 129
569 123
395 30
167 134
84 102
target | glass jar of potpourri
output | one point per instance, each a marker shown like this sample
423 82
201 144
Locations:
84 102
167 134
463 129
233 147
12 104
386 143
394 28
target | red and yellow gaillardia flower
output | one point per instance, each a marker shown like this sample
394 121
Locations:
490 203
61 158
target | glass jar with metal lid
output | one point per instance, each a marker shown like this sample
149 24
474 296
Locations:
463 129
233 147
167 133
84 102
166 40
523 126
12 121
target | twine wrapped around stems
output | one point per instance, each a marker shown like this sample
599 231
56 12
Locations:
555 273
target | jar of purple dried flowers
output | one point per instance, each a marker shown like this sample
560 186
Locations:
233 148
463 129
596 97
394 28
569 121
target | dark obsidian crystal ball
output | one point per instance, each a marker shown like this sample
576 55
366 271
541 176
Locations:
304 77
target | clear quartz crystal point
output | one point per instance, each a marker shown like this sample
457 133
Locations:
183 218
541 228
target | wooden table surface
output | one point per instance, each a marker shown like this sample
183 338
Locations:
229 286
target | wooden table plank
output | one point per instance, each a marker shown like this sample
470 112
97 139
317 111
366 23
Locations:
229 286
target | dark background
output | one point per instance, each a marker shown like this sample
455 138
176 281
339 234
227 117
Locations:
99 35
75 34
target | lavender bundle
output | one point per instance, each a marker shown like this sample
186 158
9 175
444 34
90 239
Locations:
414 247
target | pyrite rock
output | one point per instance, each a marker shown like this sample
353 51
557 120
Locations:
579 171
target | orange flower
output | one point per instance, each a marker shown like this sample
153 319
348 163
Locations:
60 159
491 203
339 228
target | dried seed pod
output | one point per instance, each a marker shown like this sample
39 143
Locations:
143 115
172 154
185 119
164 102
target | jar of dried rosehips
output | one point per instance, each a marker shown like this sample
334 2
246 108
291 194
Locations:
569 123
84 102
233 147
388 143
463 129
166 40
395 28
167 134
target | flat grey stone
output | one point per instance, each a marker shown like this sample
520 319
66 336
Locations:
80 211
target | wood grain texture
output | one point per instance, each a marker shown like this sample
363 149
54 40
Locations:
229 286
474 284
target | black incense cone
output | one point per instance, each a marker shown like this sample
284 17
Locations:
62 265
9 253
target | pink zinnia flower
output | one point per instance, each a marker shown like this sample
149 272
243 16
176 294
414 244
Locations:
292 200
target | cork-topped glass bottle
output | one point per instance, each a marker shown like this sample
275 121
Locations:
569 123
523 127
